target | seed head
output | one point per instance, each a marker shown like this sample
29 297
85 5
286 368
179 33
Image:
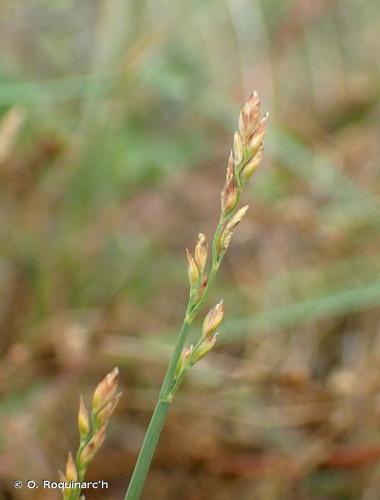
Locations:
213 319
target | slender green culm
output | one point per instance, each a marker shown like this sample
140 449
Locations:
245 156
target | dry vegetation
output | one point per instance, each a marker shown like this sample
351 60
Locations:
115 122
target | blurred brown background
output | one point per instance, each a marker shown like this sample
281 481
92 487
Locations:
116 120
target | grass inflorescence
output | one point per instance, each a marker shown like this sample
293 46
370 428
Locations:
92 432
245 156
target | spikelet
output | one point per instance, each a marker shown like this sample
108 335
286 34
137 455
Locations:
238 149
249 117
257 139
251 166
102 418
192 270
229 197
71 470
213 319
252 131
204 348
92 447
105 390
83 420
227 232
183 361
201 253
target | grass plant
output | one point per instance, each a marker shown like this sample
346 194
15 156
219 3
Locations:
244 158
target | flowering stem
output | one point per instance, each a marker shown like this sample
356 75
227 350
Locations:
168 389
159 415
246 154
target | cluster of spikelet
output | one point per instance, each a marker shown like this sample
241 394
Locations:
245 156
92 432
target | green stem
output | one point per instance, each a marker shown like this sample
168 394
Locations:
169 376
169 385
157 421
81 470
148 448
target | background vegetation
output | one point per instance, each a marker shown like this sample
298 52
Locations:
115 127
